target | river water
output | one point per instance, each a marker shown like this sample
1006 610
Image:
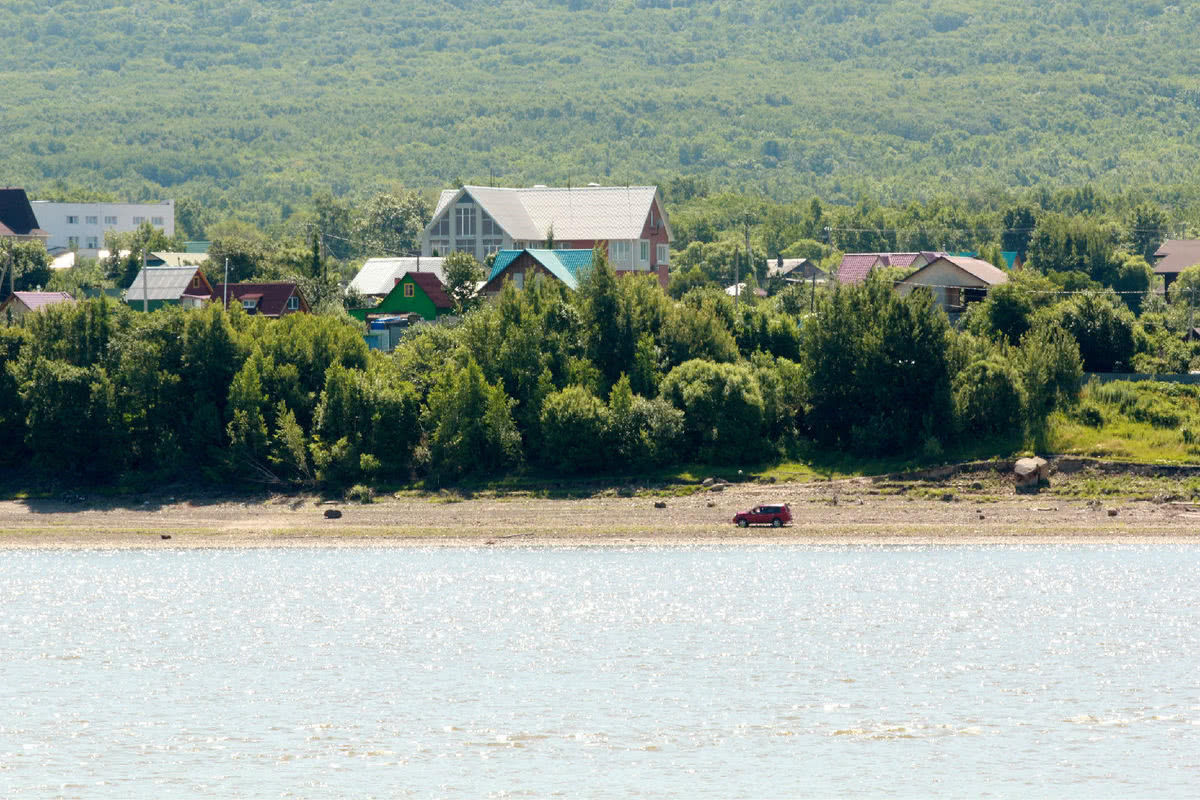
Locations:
701 672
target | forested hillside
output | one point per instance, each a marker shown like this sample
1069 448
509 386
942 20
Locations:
252 107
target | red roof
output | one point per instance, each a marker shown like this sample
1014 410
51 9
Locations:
856 266
432 287
35 300
1176 255
272 297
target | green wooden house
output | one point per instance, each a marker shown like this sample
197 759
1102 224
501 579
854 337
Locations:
414 293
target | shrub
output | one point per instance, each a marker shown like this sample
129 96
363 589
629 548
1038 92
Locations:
1090 414
988 398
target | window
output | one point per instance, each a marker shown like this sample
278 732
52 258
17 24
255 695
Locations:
464 221
489 226
441 227
93 242
195 281
157 221
72 220
562 245
664 254
492 246
467 246
409 290
439 247
249 304
91 220
72 242
293 303
518 279
138 220
644 252
110 220
621 253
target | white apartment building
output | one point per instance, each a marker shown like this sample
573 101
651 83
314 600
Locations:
81 226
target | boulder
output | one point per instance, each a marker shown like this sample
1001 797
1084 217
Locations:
708 482
1031 473
332 513
660 504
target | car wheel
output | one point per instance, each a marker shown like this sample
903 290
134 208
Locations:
742 523
776 523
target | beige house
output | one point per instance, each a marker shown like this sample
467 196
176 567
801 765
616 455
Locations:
19 304
955 281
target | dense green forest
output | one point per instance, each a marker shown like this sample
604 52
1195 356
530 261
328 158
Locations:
250 109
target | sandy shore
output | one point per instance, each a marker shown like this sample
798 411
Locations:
965 510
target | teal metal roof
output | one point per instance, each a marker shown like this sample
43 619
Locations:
1010 257
566 265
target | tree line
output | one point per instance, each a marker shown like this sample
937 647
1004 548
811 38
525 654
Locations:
614 379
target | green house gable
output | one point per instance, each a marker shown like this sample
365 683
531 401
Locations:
415 293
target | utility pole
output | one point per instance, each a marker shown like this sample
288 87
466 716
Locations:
145 286
737 288
225 285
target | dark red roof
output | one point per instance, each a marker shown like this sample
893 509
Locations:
272 297
16 214
432 287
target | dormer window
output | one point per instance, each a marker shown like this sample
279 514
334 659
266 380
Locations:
249 304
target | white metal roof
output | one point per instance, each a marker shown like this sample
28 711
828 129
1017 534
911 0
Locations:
580 212
378 275
161 283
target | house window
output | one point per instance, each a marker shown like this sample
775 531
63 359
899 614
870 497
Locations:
72 242
489 226
467 246
441 227
293 303
93 242
664 254
492 246
249 304
518 279
621 253
91 220
409 290
562 245
138 220
72 220
644 252
195 281
439 247
157 221
464 221
110 220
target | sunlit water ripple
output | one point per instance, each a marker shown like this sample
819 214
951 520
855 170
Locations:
681 673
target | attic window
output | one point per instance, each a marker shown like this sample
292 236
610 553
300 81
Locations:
293 303
408 290
249 304
195 281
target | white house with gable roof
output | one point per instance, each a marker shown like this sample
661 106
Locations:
482 219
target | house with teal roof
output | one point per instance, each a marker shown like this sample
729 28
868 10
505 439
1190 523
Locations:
520 267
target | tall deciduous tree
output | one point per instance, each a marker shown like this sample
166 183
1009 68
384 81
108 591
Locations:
463 274
391 223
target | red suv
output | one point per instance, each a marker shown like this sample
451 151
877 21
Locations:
773 515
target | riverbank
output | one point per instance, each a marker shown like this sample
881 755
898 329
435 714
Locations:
969 508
